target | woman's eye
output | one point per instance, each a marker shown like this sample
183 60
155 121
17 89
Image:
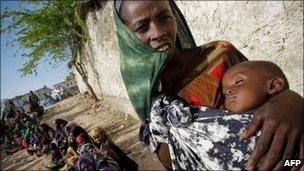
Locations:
142 28
166 17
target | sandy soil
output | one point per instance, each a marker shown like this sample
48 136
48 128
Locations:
122 128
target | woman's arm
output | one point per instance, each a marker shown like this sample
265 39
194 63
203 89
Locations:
282 123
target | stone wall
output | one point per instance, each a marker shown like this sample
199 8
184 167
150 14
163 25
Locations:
260 30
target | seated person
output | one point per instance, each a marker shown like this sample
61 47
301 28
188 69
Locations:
99 136
60 137
109 149
103 161
81 141
43 131
77 130
86 163
74 131
72 157
13 144
57 158
68 131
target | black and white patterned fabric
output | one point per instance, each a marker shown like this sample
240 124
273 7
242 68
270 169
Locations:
199 138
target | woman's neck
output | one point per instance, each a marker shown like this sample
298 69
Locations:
173 67
176 68
179 63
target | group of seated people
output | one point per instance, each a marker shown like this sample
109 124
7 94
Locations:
69 144
19 132
9 110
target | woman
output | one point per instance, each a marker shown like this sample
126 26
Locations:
60 137
72 157
43 134
103 142
99 136
45 129
158 55
86 163
68 131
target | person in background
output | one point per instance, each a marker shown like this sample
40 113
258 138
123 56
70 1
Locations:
86 163
34 102
61 138
5 109
57 161
33 99
47 100
55 94
13 110
43 131
64 92
99 136
108 148
72 157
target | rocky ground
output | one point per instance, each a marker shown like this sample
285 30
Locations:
122 128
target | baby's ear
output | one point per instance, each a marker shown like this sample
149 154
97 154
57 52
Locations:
275 85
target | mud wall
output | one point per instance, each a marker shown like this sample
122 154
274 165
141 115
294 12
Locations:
260 30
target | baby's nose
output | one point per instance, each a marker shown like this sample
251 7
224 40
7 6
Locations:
229 91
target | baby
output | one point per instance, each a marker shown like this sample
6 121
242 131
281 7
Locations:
250 84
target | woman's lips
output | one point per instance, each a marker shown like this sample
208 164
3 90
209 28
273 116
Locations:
163 48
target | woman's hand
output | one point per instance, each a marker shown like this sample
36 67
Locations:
282 121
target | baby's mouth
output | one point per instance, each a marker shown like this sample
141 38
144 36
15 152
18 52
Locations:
163 48
230 99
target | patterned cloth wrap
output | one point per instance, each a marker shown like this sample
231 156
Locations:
200 138
101 162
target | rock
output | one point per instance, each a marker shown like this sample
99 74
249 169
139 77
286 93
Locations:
96 105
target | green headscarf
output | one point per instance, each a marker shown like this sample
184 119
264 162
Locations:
141 64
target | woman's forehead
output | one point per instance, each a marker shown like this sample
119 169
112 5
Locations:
137 10
143 4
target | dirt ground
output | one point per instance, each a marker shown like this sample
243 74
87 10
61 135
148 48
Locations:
122 128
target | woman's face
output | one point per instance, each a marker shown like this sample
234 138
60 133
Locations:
152 22
98 138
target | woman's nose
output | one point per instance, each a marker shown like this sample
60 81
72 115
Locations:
158 32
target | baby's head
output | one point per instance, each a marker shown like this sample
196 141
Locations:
250 84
